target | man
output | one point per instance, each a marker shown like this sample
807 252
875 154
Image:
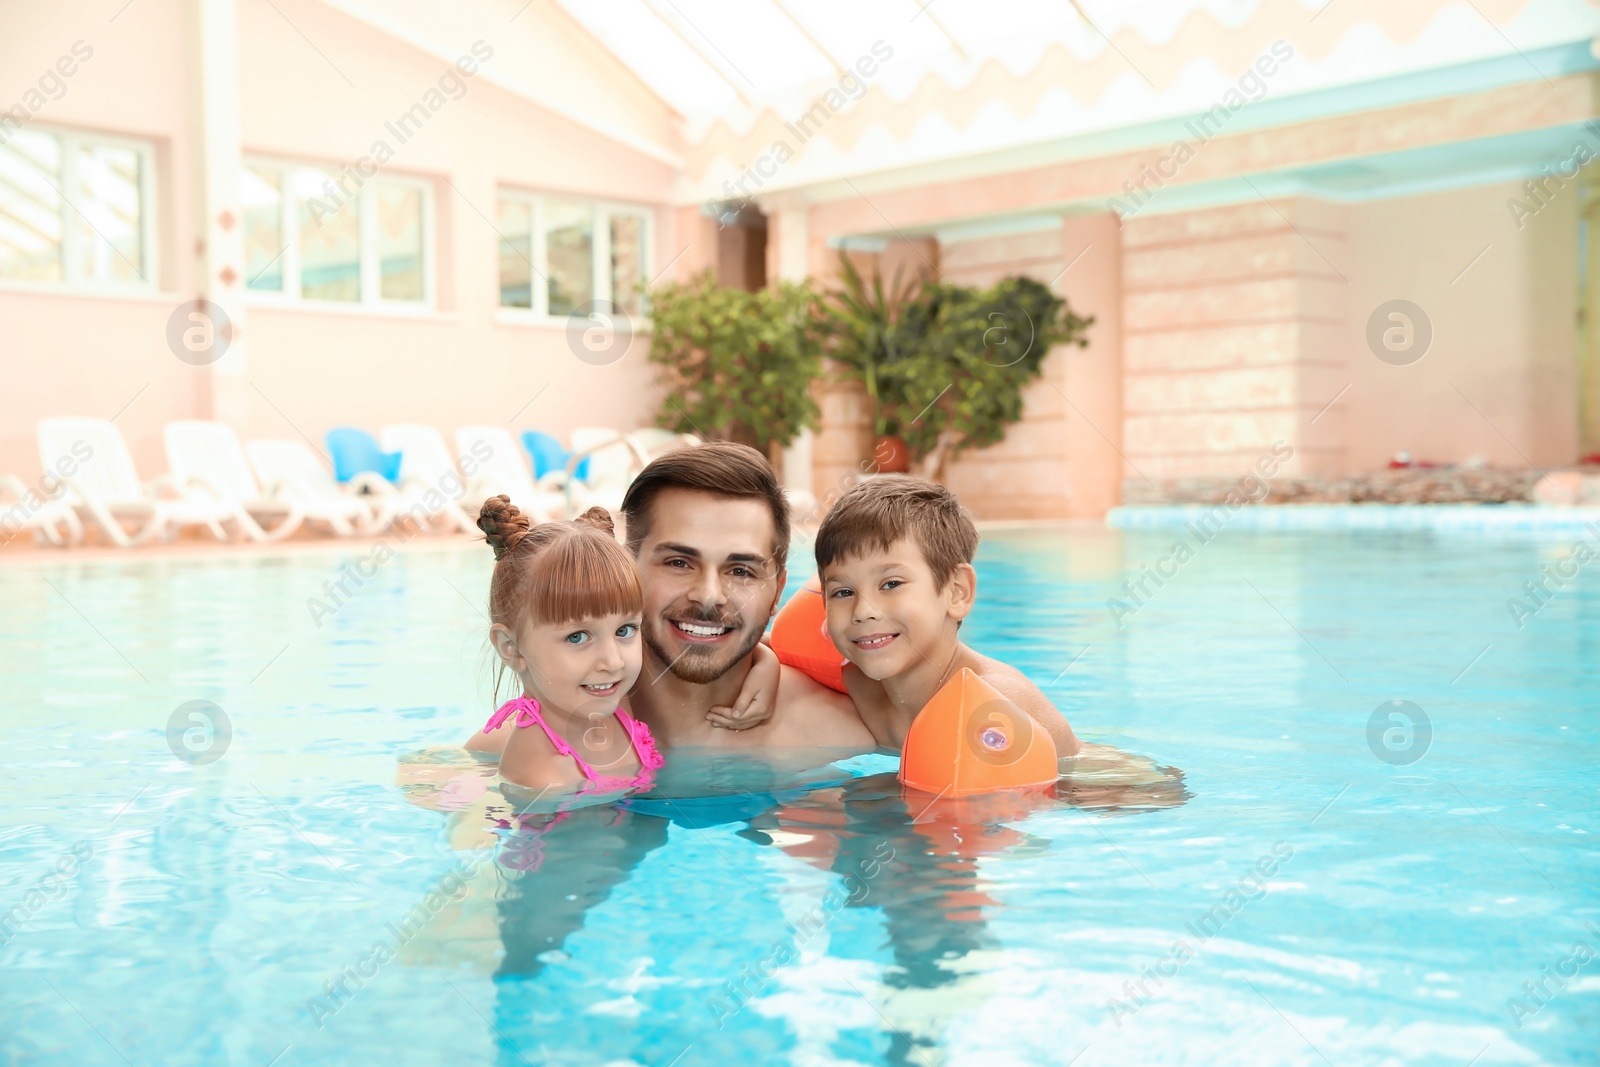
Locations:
709 529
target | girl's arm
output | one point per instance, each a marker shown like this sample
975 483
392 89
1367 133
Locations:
757 697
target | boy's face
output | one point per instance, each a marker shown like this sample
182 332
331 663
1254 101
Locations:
886 613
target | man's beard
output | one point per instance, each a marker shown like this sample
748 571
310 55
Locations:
695 665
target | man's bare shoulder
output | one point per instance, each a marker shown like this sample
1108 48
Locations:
812 714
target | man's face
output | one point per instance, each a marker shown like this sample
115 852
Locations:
710 582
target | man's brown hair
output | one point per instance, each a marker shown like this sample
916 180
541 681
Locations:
721 468
881 510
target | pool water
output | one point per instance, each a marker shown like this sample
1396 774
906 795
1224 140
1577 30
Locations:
1297 887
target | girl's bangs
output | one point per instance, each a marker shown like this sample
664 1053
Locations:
583 577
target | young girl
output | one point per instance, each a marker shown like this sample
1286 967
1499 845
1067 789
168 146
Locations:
564 607
552 584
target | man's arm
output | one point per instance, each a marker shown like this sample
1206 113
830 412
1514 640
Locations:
813 714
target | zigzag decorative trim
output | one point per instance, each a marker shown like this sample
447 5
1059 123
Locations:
1199 36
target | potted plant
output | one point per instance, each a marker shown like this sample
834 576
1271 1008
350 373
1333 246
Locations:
869 334
737 365
944 365
982 347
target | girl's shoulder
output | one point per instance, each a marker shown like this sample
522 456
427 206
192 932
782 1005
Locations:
530 760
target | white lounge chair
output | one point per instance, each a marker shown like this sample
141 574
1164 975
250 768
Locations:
209 454
104 485
50 518
653 441
614 458
502 468
290 471
426 467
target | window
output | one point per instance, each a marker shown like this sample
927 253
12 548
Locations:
75 209
558 253
262 202
628 263
569 254
516 253
400 244
307 237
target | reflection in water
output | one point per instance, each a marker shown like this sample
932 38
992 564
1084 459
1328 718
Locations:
557 867
915 857
912 857
1109 781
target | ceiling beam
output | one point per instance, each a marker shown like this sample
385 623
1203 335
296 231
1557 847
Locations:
510 83
922 9
719 64
838 68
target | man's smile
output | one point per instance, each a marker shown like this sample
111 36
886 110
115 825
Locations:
701 632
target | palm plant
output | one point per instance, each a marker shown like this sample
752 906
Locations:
944 365
875 333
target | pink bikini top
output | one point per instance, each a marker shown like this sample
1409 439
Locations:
527 714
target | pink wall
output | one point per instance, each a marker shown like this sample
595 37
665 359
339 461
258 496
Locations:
469 362
1500 380
65 353
74 353
1245 324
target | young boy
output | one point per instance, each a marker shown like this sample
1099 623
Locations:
895 558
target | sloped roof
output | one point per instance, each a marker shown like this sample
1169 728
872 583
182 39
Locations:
977 76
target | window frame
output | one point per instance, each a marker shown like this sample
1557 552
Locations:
369 265
601 212
73 223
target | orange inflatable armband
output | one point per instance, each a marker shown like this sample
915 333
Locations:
800 637
969 739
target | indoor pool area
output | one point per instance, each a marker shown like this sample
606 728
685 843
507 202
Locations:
1341 809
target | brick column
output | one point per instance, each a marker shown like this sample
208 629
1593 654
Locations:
1232 340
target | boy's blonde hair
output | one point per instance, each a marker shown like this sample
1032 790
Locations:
883 509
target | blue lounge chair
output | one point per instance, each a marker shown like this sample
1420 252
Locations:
356 451
548 456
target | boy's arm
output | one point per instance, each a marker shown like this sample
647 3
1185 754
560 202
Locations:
757 698
868 697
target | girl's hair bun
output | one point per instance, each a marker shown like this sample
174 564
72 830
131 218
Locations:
600 519
502 524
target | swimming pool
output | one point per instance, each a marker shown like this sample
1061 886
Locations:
283 902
